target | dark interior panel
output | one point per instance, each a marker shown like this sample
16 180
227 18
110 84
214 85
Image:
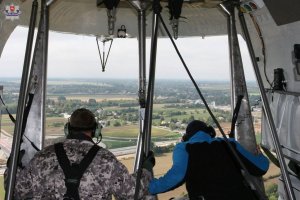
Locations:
284 11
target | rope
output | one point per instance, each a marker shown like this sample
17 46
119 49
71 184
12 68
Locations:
26 112
235 115
9 114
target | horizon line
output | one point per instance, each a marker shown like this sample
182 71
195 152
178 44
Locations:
130 78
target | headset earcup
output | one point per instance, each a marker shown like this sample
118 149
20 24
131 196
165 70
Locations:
98 130
213 134
66 129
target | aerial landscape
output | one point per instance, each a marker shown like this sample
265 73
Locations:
115 104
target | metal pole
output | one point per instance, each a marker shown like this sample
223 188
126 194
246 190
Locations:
44 68
150 93
21 106
146 135
267 110
230 50
140 6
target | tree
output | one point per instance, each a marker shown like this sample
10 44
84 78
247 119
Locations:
61 98
92 101
191 118
117 123
172 126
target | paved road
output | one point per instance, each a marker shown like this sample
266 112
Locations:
6 143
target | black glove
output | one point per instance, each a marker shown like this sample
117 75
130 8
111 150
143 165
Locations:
21 154
149 161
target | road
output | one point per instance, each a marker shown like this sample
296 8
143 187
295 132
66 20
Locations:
6 143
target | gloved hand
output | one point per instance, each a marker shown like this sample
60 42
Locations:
21 154
149 161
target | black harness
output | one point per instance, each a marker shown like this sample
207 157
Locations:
73 172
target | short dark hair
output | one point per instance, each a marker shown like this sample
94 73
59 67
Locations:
82 119
195 126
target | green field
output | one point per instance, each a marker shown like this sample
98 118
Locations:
2 193
7 124
132 131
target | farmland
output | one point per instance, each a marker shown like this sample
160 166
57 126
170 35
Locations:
115 104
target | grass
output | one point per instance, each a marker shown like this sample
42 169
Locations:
118 144
7 124
132 131
2 192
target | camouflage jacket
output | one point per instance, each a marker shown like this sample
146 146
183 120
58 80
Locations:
105 176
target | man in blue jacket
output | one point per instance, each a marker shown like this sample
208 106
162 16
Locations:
208 168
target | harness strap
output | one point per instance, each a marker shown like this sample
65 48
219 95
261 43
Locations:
73 172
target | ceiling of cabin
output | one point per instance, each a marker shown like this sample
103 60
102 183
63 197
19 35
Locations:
199 18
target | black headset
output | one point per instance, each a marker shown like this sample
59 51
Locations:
208 130
96 129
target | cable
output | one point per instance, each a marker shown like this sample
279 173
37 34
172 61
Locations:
263 47
9 114
14 121
235 115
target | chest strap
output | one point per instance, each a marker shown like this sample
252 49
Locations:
73 172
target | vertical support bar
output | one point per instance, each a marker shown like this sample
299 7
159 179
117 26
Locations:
3 28
244 130
229 30
267 110
38 78
21 106
140 6
150 92
146 135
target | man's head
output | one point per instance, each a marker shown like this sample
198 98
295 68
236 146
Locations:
195 126
82 120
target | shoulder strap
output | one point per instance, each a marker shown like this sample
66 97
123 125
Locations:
62 157
65 163
86 161
74 172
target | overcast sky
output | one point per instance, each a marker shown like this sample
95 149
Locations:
76 56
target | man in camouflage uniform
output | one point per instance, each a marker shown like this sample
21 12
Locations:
104 177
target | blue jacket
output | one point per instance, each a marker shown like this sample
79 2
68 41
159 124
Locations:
176 174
